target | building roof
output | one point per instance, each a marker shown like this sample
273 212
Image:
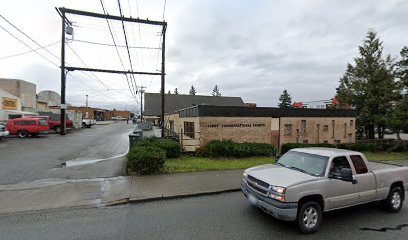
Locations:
174 102
235 111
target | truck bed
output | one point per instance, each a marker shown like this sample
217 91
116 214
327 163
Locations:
375 166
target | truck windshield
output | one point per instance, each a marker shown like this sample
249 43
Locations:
304 162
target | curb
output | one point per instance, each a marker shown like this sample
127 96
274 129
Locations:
152 199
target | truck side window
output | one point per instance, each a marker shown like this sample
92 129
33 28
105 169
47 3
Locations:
337 164
359 164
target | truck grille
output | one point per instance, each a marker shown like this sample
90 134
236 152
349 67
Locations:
259 182
256 188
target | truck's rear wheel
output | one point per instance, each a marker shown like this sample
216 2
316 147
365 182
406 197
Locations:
309 217
23 134
393 203
58 129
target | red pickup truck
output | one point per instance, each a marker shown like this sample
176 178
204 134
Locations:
26 126
56 125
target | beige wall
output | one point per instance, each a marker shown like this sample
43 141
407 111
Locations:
188 143
317 134
263 129
237 129
26 91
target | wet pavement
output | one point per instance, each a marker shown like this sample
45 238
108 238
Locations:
32 159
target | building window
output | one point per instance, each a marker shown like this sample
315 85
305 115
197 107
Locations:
287 129
351 123
325 141
333 125
337 141
345 130
325 128
350 138
305 141
189 129
303 126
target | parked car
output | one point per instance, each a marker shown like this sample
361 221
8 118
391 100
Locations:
306 182
3 132
56 124
119 118
88 123
23 127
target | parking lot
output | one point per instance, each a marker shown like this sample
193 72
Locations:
43 157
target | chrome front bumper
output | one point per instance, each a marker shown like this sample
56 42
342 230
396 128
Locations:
280 210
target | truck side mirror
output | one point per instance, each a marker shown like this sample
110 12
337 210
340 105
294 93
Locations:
277 156
346 174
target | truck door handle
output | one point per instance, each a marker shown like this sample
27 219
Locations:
354 181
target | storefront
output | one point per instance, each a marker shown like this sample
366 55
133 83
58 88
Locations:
10 107
198 125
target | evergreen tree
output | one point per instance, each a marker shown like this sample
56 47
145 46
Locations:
192 90
216 92
398 119
369 87
176 91
169 92
285 100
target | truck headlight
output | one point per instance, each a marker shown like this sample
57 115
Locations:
280 198
278 189
244 175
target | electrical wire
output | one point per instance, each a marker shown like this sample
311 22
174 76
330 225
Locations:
127 45
111 45
26 52
134 92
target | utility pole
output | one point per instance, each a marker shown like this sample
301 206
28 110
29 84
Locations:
86 100
141 102
162 80
63 77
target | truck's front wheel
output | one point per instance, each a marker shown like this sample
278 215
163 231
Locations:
309 217
393 203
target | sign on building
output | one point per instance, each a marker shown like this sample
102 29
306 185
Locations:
9 103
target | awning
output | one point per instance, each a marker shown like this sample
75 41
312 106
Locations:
20 112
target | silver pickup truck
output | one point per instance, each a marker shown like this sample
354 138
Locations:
308 181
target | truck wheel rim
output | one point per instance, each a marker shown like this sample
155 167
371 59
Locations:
310 217
396 200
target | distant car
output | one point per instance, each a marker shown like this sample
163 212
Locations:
388 131
119 118
23 127
3 132
88 123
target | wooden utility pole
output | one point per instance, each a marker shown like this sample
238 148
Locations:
162 80
63 77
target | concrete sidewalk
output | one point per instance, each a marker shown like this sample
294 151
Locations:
98 192
183 184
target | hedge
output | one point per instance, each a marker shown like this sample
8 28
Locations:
145 160
172 148
288 146
230 149
361 147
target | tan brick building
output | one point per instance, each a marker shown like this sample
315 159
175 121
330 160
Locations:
26 91
198 125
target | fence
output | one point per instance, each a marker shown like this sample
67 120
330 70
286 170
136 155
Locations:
386 144
189 141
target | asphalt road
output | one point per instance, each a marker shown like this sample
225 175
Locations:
223 216
41 158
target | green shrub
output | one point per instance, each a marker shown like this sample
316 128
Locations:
288 146
360 147
228 148
172 148
145 160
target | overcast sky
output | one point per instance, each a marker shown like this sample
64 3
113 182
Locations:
251 49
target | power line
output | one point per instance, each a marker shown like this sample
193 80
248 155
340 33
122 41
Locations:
29 46
26 52
126 41
111 45
164 8
134 92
